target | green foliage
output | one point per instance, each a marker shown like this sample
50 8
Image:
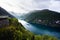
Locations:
44 37
15 31
47 17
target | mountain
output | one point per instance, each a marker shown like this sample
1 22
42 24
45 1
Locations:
3 12
16 31
44 17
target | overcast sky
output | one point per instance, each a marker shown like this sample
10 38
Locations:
23 6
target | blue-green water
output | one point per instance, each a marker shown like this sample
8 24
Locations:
41 29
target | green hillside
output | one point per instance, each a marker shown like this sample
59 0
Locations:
15 31
45 17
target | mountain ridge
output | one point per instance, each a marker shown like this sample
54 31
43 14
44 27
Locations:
3 12
45 17
16 31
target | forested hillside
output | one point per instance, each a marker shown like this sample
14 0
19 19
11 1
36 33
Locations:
44 17
15 31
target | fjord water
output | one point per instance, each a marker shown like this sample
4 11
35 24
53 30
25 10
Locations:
40 29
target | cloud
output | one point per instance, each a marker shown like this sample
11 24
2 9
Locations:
23 6
57 0
41 0
55 6
42 4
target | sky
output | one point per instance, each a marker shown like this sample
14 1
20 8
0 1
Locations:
24 6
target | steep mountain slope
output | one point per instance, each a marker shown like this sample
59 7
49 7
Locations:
45 17
3 12
15 31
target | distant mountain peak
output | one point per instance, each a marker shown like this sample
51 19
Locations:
46 10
